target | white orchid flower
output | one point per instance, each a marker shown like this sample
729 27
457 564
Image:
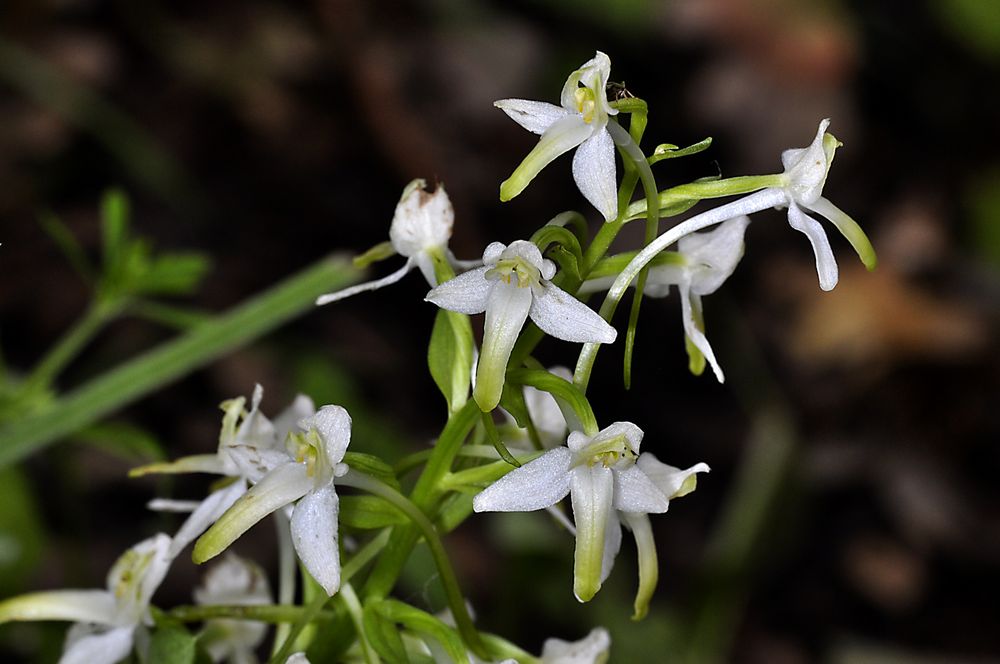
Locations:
420 230
595 648
600 475
704 262
305 479
248 449
579 122
805 174
107 620
512 285
234 582
672 483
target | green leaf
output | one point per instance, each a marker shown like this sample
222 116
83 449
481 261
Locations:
367 512
172 644
114 227
171 274
22 539
424 623
370 464
383 634
449 357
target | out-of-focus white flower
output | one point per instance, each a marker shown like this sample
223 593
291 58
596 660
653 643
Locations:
250 445
595 648
305 479
420 230
512 285
106 620
579 122
704 262
233 582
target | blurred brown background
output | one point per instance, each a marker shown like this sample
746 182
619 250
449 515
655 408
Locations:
852 512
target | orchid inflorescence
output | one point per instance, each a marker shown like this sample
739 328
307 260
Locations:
548 445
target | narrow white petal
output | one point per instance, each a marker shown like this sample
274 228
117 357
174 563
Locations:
713 256
534 486
688 301
96 606
282 486
288 419
612 545
367 286
594 172
254 462
168 505
101 648
562 316
564 135
505 315
826 264
136 575
467 293
206 514
535 116
630 432
636 492
591 650
334 424
673 482
592 494
314 534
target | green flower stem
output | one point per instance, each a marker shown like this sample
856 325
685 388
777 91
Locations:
699 191
269 613
425 493
98 314
485 474
355 610
174 359
456 600
286 574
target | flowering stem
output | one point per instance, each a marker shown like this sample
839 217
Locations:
456 600
269 613
354 610
173 359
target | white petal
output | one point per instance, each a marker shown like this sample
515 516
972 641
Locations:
79 605
168 505
282 486
235 580
367 286
493 252
288 419
807 168
562 316
593 74
253 462
527 251
630 432
422 220
594 172
198 463
535 116
612 545
673 482
206 514
545 413
102 648
137 574
688 302
314 533
467 293
826 264
564 135
297 658
334 424
636 492
591 650
592 494
534 486
713 256
505 315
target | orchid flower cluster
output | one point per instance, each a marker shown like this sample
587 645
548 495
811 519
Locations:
517 437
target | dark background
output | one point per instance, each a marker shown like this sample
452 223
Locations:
851 514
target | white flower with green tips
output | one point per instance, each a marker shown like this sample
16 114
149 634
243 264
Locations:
512 285
420 230
305 480
805 173
701 265
250 445
233 582
106 620
600 476
580 121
